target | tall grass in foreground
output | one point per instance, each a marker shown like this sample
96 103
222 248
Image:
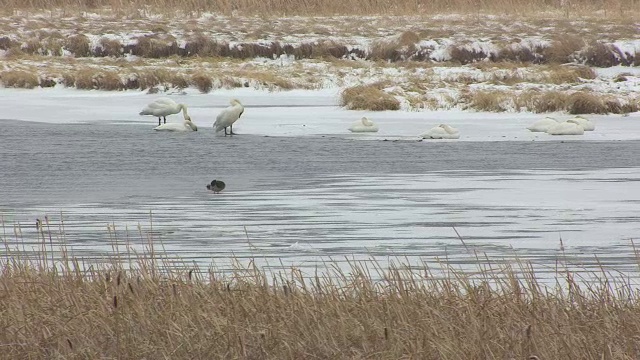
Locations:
53 307
321 7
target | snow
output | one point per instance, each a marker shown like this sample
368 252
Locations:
295 113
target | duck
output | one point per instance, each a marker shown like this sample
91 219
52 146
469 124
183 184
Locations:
441 131
586 124
216 186
228 117
185 126
566 128
164 107
542 125
363 125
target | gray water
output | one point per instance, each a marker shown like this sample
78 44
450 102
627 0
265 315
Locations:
297 198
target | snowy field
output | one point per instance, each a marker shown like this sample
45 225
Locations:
290 200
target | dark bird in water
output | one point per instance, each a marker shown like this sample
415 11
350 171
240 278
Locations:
216 186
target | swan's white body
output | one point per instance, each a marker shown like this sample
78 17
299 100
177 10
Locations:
585 123
185 126
566 128
363 125
164 107
543 125
441 131
228 117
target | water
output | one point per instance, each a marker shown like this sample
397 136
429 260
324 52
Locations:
299 200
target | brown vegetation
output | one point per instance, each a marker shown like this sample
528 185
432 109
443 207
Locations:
368 97
19 79
161 307
586 103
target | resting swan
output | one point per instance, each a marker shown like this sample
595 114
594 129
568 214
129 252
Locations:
441 131
185 126
228 116
164 107
543 125
585 123
566 128
363 125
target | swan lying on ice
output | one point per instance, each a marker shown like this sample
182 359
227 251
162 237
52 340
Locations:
363 125
228 116
164 107
216 186
185 126
543 125
441 131
585 123
566 128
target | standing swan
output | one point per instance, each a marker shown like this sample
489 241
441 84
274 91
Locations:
186 126
543 125
164 107
363 125
228 116
441 131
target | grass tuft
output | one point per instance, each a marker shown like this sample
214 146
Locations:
585 103
368 97
19 79
78 45
202 82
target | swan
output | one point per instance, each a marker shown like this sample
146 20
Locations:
228 116
216 186
566 128
543 125
185 126
585 123
441 131
164 107
363 125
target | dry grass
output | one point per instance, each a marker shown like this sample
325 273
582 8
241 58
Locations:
368 97
164 308
541 101
202 82
332 7
19 79
585 103
483 100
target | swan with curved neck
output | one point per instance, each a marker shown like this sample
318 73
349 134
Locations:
586 124
164 107
228 117
185 126
442 131
363 125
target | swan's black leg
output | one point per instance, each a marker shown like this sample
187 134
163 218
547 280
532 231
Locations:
231 132
165 119
159 123
225 131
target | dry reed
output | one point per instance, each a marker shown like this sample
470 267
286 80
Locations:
145 306
368 97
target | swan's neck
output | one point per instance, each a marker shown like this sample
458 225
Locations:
366 122
184 110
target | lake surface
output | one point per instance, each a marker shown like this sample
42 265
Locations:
300 200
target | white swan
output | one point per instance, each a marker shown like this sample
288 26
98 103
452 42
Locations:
228 116
543 125
441 131
164 107
185 126
363 125
585 123
566 128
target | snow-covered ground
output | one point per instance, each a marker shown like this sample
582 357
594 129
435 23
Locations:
287 114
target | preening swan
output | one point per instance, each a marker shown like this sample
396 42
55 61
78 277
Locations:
185 126
228 116
164 107
363 125
441 131
585 123
216 186
543 125
566 128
